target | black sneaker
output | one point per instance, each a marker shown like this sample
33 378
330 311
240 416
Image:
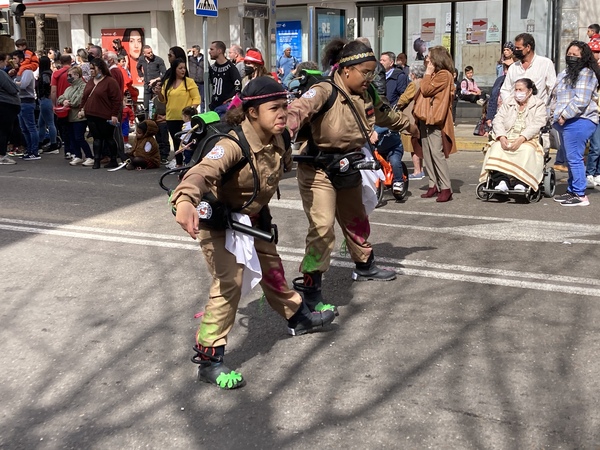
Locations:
111 164
563 198
374 273
576 200
304 321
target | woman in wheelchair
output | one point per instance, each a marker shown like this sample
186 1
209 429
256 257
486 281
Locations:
515 158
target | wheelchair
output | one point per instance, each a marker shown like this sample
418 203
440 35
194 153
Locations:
549 138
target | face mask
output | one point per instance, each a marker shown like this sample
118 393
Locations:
249 70
572 60
98 76
520 96
70 80
518 54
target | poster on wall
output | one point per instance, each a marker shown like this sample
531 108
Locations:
479 31
493 33
330 25
289 32
127 41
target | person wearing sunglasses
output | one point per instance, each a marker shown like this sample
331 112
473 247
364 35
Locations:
337 128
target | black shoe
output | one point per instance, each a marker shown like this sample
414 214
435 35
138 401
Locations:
305 321
111 164
212 370
96 164
220 375
369 271
310 287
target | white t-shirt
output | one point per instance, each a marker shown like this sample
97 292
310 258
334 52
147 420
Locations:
541 71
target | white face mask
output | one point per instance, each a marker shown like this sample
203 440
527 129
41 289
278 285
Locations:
520 96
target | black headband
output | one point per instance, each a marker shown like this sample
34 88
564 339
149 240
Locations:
358 58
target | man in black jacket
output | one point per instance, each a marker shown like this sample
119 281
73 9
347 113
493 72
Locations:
395 79
151 68
196 68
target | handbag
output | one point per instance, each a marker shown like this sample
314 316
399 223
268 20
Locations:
62 112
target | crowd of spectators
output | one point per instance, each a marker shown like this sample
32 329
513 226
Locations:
52 100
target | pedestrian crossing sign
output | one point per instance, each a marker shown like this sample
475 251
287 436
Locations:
207 8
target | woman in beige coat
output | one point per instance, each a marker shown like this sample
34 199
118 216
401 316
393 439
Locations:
516 159
433 111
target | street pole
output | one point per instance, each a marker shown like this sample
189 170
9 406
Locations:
206 56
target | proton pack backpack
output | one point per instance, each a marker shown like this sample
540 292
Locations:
306 79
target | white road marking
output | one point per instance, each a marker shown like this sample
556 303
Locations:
490 228
420 268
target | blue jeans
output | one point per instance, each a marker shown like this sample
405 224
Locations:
28 127
390 147
593 161
77 139
46 120
574 134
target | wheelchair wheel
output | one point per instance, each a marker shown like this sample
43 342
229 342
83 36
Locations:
549 182
533 197
480 194
402 195
380 191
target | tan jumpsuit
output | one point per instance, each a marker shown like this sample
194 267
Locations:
336 131
225 290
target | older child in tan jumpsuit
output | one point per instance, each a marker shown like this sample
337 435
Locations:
263 119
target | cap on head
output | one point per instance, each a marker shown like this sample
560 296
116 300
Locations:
254 56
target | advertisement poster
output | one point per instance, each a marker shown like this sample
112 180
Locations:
330 25
290 32
132 41
427 29
493 33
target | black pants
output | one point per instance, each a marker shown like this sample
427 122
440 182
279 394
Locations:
103 134
63 128
9 114
162 137
175 126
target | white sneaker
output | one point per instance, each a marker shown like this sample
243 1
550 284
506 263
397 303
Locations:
590 182
398 187
597 180
520 188
502 186
6 160
88 162
172 164
481 102
76 161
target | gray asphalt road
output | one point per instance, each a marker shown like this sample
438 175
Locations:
488 338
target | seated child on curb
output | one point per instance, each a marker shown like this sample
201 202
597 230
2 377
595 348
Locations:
187 142
144 154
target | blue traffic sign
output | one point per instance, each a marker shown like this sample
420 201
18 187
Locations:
207 8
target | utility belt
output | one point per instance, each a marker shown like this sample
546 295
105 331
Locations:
215 215
342 169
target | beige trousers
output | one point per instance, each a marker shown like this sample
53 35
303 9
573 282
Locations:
226 287
433 156
322 206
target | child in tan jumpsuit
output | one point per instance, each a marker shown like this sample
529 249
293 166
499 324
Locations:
263 118
338 132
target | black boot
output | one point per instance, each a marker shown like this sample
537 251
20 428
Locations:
369 271
97 149
111 164
304 321
310 286
212 370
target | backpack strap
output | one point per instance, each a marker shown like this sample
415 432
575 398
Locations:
246 158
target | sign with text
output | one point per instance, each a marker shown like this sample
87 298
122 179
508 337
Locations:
290 32
427 29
